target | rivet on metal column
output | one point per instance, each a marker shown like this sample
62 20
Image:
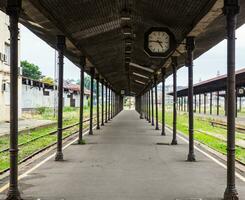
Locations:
231 10
82 65
190 46
98 102
92 70
174 65
102 102
13 10
61 47
156 101
163 70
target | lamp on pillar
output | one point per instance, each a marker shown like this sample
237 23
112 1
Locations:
156 102
13 10
91 101
163 101
231 10
61 47
82 65
190 46
174 65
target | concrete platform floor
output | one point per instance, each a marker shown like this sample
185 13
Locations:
122 162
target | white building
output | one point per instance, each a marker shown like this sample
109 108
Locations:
36 94
5 69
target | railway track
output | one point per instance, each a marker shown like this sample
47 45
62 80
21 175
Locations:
69 136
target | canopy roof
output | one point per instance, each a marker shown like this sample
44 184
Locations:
94 28
218 83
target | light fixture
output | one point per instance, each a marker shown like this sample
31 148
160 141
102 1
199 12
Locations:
125 14
140 82
140 75
141 67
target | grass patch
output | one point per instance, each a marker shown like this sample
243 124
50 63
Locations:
205 126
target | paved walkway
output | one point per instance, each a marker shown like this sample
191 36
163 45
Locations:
123 162
24 124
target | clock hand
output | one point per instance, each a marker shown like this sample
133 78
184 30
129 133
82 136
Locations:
160 43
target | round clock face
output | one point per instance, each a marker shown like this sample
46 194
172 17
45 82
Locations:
158 42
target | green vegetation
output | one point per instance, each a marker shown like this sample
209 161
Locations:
71 116
203 126
30 70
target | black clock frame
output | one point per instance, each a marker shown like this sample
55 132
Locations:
172 44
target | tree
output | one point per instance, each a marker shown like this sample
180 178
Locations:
48 80
30 70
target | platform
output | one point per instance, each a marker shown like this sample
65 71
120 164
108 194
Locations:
123 162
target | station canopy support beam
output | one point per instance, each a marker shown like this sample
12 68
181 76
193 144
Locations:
190 46
91 102
231 10
163 70
102 102
13 10
152 108
106 102
174 65
82 65
61 48
97 102
156 101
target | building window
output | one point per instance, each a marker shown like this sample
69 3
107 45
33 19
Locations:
7 53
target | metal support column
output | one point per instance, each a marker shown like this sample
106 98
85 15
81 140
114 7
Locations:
163 70
217 104
149 106
91 101
152 108
109 103
231 9
102 102
61 48
200 102
190 45
156 101
195 99
13 10
106 102
82 65
211 103
205 101
97 102
174 65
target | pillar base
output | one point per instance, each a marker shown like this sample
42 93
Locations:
141 117
81 142
174 142
191 157
102 124
90 132
231 194
157 128
98 127
163 133
152 124
59 156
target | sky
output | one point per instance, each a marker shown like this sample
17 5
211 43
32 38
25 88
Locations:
36 51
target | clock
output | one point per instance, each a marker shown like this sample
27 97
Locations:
159 42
